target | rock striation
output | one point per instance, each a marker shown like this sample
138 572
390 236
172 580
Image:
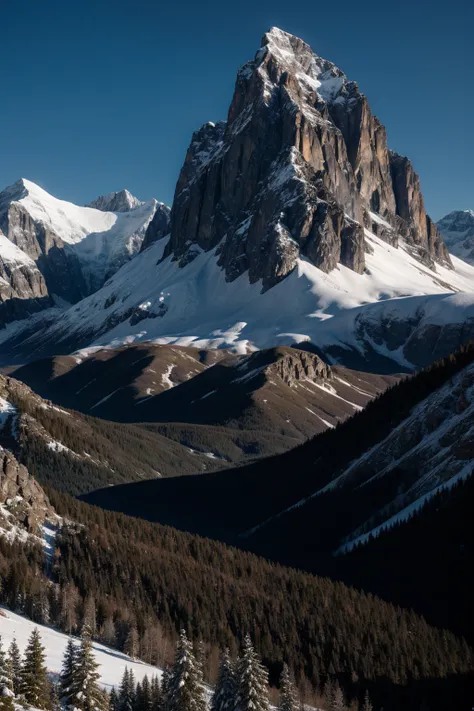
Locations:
299 169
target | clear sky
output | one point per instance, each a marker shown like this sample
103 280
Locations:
101 95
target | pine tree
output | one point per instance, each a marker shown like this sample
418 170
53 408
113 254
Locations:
367 705
288 698
114 703
185 690
156 694
6 691
34 675
67 678
252 681
223 698
127 691
14 662
144 699
337 703
89 697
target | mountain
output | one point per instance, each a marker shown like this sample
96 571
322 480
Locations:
291 221
339 489
457 229
121 201
75 249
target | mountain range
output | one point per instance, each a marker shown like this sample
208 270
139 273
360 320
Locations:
280 362
292 222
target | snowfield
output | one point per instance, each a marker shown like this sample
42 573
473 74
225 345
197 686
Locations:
196 306
112 662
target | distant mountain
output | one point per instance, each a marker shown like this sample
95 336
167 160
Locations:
61 250
457 229
292 222
122 201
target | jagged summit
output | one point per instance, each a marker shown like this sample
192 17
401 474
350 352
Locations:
121 201
299 170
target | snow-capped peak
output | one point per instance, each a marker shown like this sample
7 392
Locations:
121 201
457 229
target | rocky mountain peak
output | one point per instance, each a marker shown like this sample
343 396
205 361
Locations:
457 230
298 171
121 201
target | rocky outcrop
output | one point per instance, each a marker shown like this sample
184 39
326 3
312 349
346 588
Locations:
61 271
159 227
121 201
294 366
295 171
23 501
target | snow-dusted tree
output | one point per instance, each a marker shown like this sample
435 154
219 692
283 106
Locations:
143 700
367 705
131 642
88 695
114 703
127 691
337 702
34 676
156 695
14 664
288 698
223 698
185 690
252 681
6 684
67 678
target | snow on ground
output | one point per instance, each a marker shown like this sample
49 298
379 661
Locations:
205 311
112 662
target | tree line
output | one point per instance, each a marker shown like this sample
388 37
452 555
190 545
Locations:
241 684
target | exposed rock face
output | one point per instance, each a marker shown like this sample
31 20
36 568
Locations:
22 498
60 270
121 201
295 365
457 230
294 172
159 227
22 286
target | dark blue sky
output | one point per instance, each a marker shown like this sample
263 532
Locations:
97 96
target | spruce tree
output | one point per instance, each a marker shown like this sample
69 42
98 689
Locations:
6 691
67 679
185 687
144 701
156 694
127 691
34 676
252 681
114 703
288 697
14 662
89 696
337 703
223 698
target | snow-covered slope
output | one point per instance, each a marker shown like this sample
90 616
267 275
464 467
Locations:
111 662
195 305
100 241
457 229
